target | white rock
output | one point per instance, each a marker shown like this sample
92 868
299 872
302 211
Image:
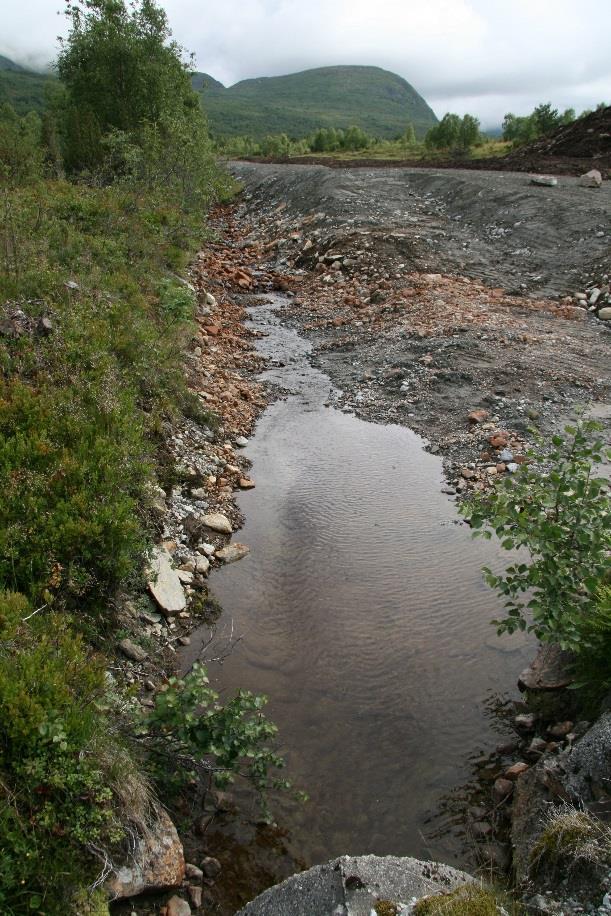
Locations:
207 549
605 314
241 442
202 565
216 521
210 300
164 583
185 576
591 179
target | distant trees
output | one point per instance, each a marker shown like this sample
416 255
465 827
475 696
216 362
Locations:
543 120
329 139
454 133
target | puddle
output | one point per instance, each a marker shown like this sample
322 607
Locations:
363 617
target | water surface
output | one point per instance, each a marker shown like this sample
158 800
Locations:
363 617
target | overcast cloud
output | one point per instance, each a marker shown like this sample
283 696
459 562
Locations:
482 56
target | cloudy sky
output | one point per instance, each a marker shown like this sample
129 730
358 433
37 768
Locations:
482 56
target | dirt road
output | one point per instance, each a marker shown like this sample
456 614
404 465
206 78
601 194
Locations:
430 293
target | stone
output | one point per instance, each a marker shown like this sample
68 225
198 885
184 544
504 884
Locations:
185 576
241 441
45 326
133 651
354 885
233 552
207 549
467 473
71 284
193 872
216 521
481 829
506 455
605 313
502 788
560 729
516 770
202 566
195 895
548 181
591 179
176 906
164 584
549 671
478 416
210 300
536 748
498 441
211 867
525 721
594 296
246 483
512 467
156 863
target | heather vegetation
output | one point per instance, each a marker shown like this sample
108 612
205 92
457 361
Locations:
102 206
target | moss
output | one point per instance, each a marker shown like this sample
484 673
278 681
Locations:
468 900
385 908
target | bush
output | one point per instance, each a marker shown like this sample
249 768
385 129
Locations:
572 839
59 812
557 512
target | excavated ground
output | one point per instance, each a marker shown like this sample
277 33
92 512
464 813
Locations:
428 294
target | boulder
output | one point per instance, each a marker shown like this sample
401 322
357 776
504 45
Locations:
157 862
176 906
591 179
233 552
164 584
353 885
605 313
216 521
549 671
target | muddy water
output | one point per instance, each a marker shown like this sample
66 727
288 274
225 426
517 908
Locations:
363 617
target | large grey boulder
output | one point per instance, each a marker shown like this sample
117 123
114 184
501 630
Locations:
350 886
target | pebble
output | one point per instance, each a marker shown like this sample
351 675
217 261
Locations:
241 441
211 867
132 651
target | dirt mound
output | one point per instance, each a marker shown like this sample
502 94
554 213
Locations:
587 137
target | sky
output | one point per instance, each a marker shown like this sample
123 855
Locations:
486 57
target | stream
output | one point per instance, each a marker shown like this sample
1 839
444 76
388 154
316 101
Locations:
363 616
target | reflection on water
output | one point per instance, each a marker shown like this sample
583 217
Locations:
364 619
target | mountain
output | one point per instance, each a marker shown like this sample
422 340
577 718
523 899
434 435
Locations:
23 89
376 100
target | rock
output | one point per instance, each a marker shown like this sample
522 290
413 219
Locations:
193 872
605 313
246 483
594 296
516 770
202 566
45 327
164 584
560 729
502 788
591 179
233 552
241 441
467 473
195 895
157 862
499 440
536 748
211 867
185 576
481 830
216 521
525 721
176 906
549 671
512 467
547 181
71 284
354 885
199 493
506 455
478 416
133 651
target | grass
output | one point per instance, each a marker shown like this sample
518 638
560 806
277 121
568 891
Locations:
468 900
84 401
572 838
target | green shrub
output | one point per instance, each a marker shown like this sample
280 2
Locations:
59 813
557 512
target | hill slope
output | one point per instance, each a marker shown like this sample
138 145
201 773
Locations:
23 89
379 102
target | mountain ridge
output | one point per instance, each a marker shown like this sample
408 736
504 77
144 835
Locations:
377 100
